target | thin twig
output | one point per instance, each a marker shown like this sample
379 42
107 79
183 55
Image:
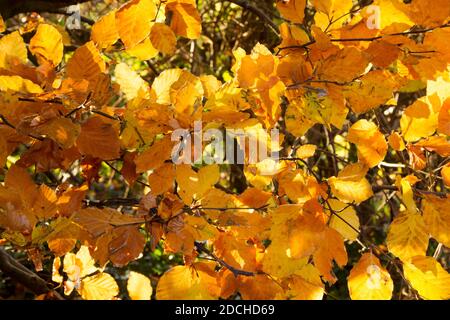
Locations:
200 247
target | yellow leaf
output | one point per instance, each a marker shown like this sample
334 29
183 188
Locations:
444 118
56 276
368 280
384 13
419 120
133 21
374 89
259 287
437 218
445 172
396 142
163 38
130 82
80 265
408 236
346 220
427 276
306 151
184 18
292 10
139 286
350 185
47 44
12 49
193 185
104 31
2 25
335 11
306 284
101 286
405 186
18 84
144 50
372 146
189 283
163 82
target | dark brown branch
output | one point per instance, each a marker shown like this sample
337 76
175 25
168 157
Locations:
66 13
305 45
19 273
9 8
9 124
200 247
111 202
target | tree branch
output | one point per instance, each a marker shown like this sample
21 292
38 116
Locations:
410 32
200 247
9 8
19 273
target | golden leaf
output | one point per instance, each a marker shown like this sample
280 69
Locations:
368 280
344 66
12 49
184 18
350 185
101 286
428 277
292 10
306 284
104 32
408 236
47 44
18 84
155 155
345 221
163 38
372 146
193 283
139 286
419 120
193 185
130 82
436 217
133 21
86 63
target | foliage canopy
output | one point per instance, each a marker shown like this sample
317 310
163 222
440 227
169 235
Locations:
357 206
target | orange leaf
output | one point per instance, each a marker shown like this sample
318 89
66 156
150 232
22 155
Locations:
163 38
86 63
185 19
133 21
47 44
99 138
